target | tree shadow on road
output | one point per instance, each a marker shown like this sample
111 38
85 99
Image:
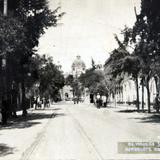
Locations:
19 125
149 119
56 109
29 121
131 111
59 115
48 109
5 150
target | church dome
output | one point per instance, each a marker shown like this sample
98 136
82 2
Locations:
78 63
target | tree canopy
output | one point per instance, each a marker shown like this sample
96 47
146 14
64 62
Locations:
94 80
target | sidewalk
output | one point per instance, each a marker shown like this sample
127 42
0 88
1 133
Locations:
130 111
130 108
18 135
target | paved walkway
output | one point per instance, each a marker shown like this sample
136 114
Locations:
18 135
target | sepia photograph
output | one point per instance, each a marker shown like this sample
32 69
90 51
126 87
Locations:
79 79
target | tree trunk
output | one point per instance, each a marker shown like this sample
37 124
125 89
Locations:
148 97
137 92
115 98
157 84
23 99
14 103
143 94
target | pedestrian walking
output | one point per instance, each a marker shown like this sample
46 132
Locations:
98 100
75 99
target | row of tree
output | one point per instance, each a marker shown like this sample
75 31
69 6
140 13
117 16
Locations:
138 54
94 80
22 22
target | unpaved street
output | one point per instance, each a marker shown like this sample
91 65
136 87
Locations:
83 132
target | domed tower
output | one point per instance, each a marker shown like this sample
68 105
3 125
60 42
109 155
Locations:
78 67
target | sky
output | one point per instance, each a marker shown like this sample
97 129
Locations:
87 29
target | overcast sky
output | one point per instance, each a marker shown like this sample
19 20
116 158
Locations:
87 29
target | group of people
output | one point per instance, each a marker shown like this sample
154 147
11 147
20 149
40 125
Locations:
100 100
41 103
77 99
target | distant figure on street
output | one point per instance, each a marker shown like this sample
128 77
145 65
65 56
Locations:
92 98
157 103
36 102
75 99
98 100
104 99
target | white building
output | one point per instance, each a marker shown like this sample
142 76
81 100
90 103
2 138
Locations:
126 92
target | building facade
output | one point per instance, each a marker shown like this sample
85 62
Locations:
77 68
126 92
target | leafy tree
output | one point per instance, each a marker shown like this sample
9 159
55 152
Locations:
123 62
11 38
146 34
34 17
94 80
145 57
51 80
11 34
69 80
